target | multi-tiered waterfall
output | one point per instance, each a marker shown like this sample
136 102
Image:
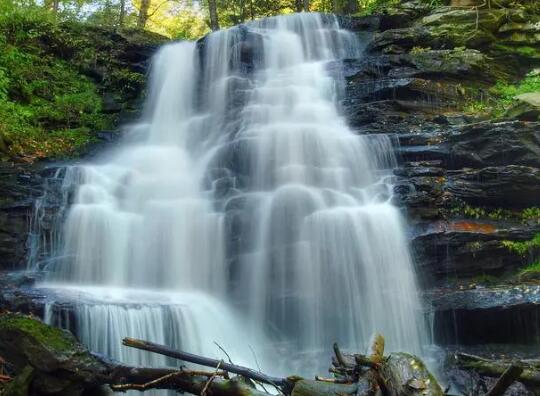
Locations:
240 210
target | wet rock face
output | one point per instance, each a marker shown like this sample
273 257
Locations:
495 144
460 175
20 186
467 249
501 186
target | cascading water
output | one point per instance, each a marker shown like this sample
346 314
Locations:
242 210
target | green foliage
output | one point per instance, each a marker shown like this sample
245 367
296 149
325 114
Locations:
476 107
126 81
525 247
502 95
475 212
531 268
531 215
419 50
47 108
506 92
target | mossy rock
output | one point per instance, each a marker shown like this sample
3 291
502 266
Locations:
407 375
467 64
452 19
61 365
20 385
449 28
505 50
527 107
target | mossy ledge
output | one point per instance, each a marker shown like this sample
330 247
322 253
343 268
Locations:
59 364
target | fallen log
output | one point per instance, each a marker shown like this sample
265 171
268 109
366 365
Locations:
196 385
204 361
50 361
505 380
529 376
319 388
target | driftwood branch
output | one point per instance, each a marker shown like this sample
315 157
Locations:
204 361
124 378
341 360
511 374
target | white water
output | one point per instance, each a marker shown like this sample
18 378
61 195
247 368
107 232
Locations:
243 210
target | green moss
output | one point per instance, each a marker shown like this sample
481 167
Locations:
529 52
46 335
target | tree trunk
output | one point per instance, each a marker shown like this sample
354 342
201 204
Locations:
306 5
143 14
212 9
351 7
122 13
335 6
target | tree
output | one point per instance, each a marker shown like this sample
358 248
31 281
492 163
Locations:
122 15
143 13
212 10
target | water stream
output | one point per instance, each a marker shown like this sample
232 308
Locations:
242 209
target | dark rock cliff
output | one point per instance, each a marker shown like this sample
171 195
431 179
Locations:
469 183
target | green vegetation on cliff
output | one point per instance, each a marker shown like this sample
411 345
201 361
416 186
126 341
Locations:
46 107
53 76
502 96
526 247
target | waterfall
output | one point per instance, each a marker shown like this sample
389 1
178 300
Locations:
241 209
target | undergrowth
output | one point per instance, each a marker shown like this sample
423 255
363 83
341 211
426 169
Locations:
502 95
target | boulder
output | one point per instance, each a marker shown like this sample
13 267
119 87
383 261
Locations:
406 375
527 107
459 19
51 360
